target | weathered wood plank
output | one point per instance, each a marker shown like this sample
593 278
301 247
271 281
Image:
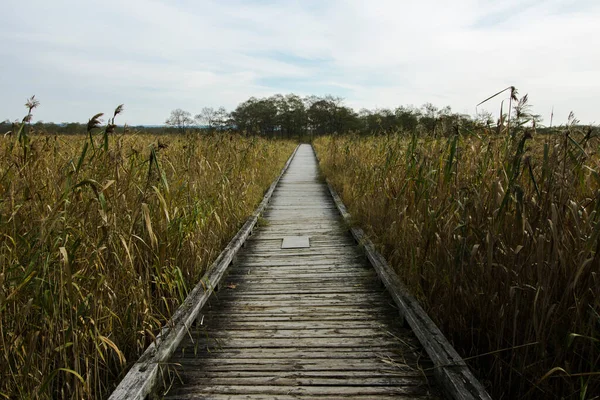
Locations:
254 242
320 353
358 309
290 329
395 354
265 281
278 364
316 298
217 396
304 254
189 360
308 374
298 333
301 254
247 290
357 273
275 343
298 271
293 380
307 301
303 263
364 296
385 316
197 390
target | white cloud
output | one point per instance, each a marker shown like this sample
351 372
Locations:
85 57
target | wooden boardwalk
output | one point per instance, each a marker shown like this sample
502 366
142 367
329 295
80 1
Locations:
309 322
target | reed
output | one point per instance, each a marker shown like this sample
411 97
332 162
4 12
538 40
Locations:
101 236
498 236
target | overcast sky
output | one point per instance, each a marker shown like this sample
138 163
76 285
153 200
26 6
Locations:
84 57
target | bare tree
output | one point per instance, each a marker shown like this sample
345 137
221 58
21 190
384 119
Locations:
207 118
180 119
212 119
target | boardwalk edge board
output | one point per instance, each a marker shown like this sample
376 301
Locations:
450 371
141 378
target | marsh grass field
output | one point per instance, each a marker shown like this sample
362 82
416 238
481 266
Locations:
498 235
102 236
495 230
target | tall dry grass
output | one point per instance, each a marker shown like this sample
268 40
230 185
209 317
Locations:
499 237
100 239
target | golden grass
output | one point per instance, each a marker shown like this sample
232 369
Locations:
100 239
499 237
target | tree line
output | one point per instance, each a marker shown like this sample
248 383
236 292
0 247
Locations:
291 116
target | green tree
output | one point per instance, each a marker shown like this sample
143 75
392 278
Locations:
407 118
256 116
291 114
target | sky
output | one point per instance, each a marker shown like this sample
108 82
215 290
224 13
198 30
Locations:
84 57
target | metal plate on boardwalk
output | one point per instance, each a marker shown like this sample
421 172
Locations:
295 242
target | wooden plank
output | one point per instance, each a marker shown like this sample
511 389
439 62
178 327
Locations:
333 273
304 262
278 233
383 316
275 343
326 288
259 253
308 374
141 378
316 298
291 326
304 390
355 273
284 302
294 207
293 380
298 308
228 359
245 290
279 266
316 241
331 252
270 282
320 298
320 353
382 352
278 364
228 396
297 333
